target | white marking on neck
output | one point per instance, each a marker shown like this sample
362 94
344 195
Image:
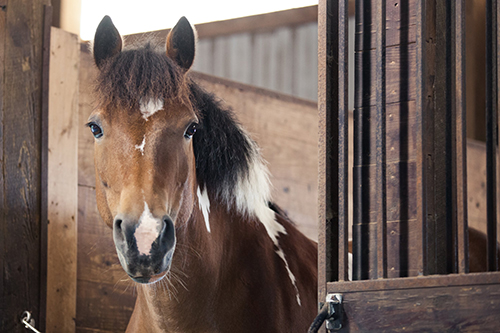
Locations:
281 254
141 146
204 204
147 231
149 107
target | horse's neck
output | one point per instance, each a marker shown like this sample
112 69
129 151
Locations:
203 262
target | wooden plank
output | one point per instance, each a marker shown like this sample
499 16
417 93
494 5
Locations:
203 62
283 56
464 307
44 158
261 60
221 65
105 295
306 46
62 181
87 75
400 24
400 74
239 57
21 252
108 308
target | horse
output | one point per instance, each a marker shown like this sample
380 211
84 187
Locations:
187 194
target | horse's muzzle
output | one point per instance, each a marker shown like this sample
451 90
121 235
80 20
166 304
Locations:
145 247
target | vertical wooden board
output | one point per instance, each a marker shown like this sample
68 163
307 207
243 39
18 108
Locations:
476 185
221 57
62 181
203 61
282 60
240 57
88 72
21 250
261 56
105 295
306 62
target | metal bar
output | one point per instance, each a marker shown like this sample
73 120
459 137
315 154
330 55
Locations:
491 132
459 150
343 119
381 201
325 211
420 129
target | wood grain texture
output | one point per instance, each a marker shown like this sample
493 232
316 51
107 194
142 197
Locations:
461 302
21 35
62 181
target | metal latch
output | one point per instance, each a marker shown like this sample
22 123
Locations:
331 312
28 321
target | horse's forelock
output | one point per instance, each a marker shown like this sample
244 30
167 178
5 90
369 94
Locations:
140 73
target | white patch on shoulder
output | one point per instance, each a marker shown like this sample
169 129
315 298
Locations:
149 107
252 196
142 145
253 193
204 204
147 231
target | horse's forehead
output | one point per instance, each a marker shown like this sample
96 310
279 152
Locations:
151 115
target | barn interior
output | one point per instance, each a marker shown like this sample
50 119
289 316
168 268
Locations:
58 257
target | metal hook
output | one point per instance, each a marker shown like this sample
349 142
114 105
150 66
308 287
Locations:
28 321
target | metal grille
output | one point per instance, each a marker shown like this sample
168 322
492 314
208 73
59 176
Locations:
409 172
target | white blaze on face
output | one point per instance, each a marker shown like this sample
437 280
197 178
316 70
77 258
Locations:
142 145
147 231
149 107
204 204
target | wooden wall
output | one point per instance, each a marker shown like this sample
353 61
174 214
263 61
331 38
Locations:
22 178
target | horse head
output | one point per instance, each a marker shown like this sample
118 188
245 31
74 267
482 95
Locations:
144 161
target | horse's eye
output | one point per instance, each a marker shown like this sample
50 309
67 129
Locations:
190 131
96 130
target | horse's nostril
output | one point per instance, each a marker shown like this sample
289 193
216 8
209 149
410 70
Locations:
167 235
118 224
167 223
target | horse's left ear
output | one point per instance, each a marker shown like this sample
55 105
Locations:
181 44
107 42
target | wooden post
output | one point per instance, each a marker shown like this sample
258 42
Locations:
22 244
62 181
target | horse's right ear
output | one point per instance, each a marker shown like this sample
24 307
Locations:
181 42
107 42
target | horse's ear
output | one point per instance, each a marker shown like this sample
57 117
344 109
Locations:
181 44
107 41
